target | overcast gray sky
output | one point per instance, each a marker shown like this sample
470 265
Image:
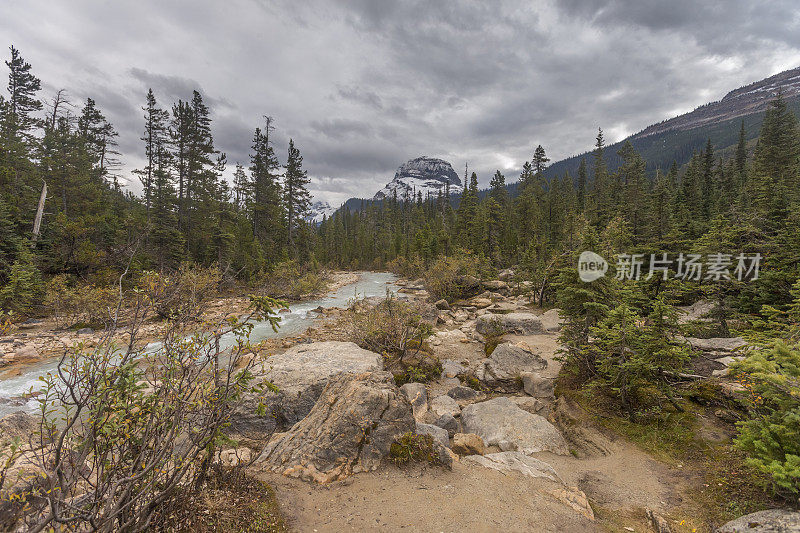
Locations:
364 85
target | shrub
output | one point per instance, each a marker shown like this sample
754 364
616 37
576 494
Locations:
454 277
182 293
772 436
293 281
422 373
123 431
410 447
83 305
392 328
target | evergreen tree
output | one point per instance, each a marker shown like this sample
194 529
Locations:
296 196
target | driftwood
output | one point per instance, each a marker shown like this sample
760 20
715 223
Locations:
37 222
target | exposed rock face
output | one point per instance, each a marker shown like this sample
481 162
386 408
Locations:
519 323
501 423
448 423
507 363
349 430
584 440
769 521
515 462
300 374
427 175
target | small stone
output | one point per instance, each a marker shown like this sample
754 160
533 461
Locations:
85 331
442 305
468 444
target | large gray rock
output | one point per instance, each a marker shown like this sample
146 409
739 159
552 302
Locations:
518 323
508 362
436 432
300 374
515 462
535 385
417 395
349 430
769 521
551 320
717 344
451 369
499 422
495 285
448 423
444 405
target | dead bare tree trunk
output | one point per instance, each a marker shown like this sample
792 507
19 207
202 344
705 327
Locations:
37 222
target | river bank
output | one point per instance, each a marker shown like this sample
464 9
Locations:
37 346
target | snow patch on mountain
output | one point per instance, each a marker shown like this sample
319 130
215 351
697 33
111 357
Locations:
319 209
426 175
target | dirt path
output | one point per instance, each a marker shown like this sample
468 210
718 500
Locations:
469 498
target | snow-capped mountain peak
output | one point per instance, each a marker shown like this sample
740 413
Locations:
426 175
319 210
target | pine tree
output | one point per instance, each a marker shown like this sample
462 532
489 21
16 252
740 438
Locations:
539 160
582 185
267 212
155 138
296 196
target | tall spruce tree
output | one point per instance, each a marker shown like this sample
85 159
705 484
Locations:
296 196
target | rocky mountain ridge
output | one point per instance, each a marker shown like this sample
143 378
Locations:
426 175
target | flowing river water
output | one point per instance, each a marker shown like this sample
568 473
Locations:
300 316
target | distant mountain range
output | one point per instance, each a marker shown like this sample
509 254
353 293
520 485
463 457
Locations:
672 140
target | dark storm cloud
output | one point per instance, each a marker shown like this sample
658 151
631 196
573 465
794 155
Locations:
363 85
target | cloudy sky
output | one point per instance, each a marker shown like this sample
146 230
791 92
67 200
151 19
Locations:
364 85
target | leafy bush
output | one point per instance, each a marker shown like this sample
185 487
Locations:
85 305
406 268
122 431
772 436
392 328
422 373
293 281
410 447
454 277
182 293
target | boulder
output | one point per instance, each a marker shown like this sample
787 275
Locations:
444 405
349 430
461 392
438 434
769 521
718 344
552 321
515 462
508 362
532 405
505 274
234 456
442 305
499 422
300 374
27 351
697 311
518 323
85 331
468 444
480 303
495 285
448 423
417 396
451 368
535 385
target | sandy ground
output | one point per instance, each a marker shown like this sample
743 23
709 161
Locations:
468 498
